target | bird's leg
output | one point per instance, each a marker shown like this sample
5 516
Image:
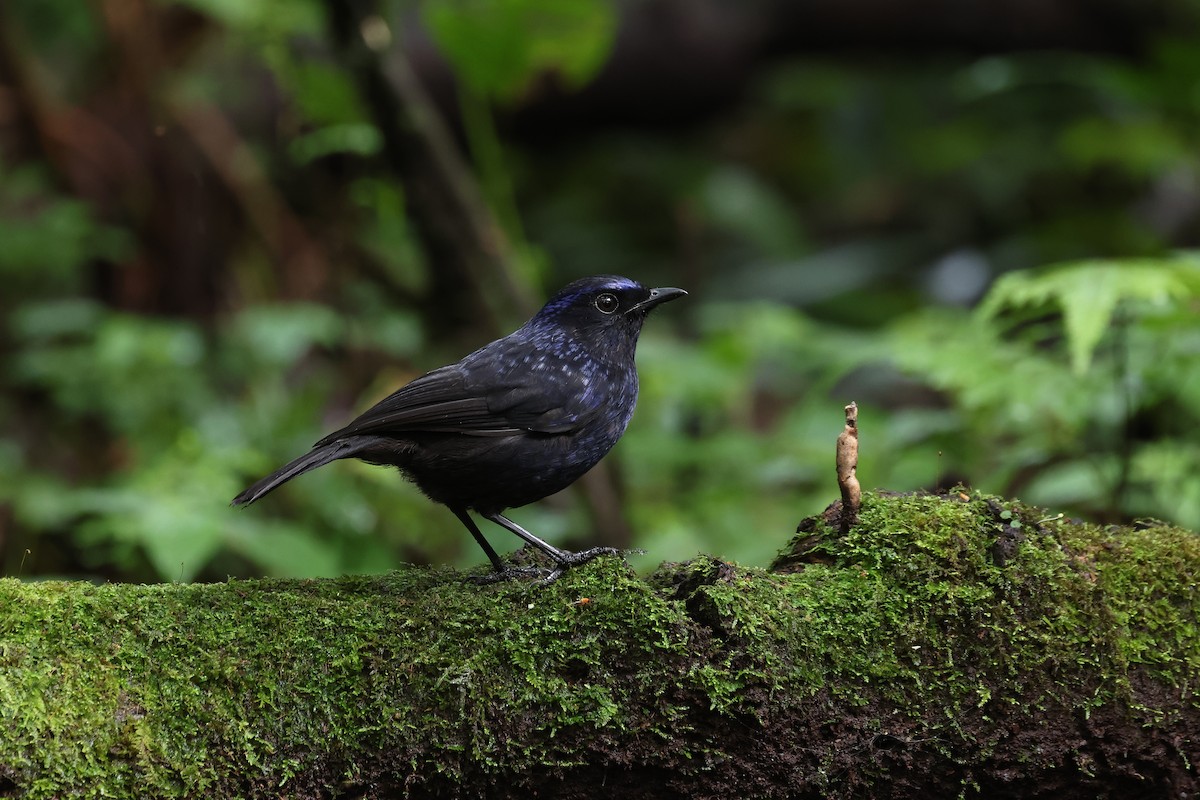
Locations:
564 558
465 518
561 556
500 572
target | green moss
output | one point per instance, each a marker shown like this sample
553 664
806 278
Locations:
1150 579
919 607
931 610
190 685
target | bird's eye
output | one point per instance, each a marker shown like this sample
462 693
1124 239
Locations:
607 303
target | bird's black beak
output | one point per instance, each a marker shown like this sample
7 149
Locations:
658 296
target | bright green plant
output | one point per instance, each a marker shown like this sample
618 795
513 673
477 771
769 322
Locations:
1074 386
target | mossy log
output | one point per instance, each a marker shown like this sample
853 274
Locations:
944 646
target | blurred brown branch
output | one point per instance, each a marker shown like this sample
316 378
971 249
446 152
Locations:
472 274
283 235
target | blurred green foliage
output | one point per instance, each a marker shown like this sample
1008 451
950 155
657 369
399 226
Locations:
499 46
835 229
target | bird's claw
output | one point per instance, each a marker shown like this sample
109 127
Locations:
575 559
584 556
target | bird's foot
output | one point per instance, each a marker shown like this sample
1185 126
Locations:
584 556
563 562
570 559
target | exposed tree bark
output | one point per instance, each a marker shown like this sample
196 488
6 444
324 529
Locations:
944 645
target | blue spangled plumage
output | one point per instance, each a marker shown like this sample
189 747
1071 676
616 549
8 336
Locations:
516 420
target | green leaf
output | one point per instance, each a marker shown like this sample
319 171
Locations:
1089 292
285 550
1142 147
280 334
281 17
358 138
70 316
324 93
498 46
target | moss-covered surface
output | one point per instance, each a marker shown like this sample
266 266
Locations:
944 646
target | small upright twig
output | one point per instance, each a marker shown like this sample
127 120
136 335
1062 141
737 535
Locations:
847 468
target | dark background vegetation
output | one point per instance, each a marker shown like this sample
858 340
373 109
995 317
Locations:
219 239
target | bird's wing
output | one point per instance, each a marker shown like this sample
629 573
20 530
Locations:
477 398
532 406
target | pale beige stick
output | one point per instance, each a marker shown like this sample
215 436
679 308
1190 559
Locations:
847 468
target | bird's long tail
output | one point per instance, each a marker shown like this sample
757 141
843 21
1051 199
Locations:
317 457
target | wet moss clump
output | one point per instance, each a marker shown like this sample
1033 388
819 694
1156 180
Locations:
944 591
947 644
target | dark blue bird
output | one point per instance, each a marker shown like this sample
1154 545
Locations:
515 421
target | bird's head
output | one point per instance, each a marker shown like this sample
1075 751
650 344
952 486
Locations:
604 303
